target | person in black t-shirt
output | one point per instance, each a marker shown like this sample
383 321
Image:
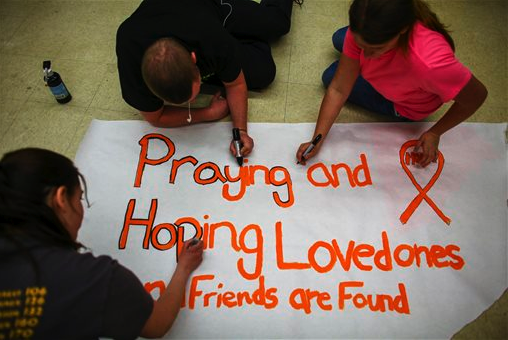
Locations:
48 290
167 47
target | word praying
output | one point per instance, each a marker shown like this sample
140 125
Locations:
208 172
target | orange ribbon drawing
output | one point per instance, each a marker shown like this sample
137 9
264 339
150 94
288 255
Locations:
412 157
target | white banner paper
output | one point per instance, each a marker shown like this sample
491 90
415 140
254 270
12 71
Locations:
316 251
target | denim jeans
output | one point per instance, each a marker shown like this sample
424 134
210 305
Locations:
362 94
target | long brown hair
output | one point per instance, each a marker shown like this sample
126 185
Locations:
379 21
27 177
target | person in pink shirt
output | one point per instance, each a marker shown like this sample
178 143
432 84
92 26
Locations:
397 59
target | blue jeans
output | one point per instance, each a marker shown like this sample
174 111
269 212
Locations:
362 94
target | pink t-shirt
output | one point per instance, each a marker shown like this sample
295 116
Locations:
418 83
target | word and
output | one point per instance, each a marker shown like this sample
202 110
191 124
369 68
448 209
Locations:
332 177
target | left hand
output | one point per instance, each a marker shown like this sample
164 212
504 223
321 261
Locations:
247 144
428 144
217 109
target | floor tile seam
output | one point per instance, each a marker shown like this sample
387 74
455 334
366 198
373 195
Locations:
305 84
12 122
287 83
72 139
17 111
89 107
83 117
40 101
85 109
17 29
29 55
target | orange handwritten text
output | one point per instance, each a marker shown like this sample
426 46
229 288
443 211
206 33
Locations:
376 303
206 292
365 256
205 231
301 299
208 173
332 254
331 175
261 296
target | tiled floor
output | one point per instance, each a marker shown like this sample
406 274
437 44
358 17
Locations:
79 37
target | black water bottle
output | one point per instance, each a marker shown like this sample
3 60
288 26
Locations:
55 84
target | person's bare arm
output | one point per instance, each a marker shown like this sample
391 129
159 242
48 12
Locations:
174 116
336 95
466 103
237 97
166 308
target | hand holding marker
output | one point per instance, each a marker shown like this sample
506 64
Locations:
312 145
238 146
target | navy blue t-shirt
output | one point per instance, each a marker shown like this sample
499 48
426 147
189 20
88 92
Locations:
74 296
195 23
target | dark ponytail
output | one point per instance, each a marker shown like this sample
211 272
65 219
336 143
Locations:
27 178
379 21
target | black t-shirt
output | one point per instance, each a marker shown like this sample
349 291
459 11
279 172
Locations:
195 23
76 296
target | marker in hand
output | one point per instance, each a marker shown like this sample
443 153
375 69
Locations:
312 145
238 146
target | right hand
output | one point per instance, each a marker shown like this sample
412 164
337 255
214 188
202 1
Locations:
302 149
247 144
218 108
191 256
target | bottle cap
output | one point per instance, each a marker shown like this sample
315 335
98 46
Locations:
46 66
